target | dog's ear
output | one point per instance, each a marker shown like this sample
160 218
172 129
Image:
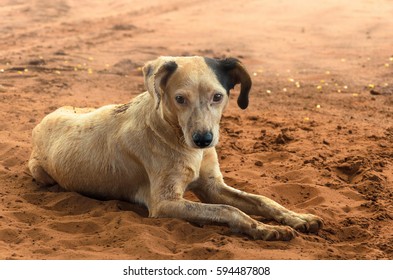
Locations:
230 72
156 76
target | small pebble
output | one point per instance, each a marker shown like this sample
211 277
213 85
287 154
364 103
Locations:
259 163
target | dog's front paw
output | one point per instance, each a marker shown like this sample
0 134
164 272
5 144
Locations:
272 233
305 223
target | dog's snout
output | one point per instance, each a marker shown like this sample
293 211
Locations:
202 140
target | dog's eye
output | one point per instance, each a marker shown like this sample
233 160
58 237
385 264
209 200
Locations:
180 99
217 97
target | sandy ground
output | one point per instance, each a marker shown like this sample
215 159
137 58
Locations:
317 136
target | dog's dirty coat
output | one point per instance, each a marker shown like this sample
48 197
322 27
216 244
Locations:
159 145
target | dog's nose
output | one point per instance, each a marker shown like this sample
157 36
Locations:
202 140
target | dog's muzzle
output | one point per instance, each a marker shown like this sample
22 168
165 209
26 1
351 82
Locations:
202 139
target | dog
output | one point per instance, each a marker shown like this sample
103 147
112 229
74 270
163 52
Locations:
161 144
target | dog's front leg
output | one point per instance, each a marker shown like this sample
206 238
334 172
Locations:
237 220
219 192
211 188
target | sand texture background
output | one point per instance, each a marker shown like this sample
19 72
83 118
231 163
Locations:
317 136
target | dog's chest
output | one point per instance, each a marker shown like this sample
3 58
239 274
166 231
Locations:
192 166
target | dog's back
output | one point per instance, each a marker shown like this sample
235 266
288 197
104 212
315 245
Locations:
74 148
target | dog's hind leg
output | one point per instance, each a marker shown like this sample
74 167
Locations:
38 172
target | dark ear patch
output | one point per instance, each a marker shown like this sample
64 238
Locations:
148 70
230 72
169 67
220 68
161 78
229 63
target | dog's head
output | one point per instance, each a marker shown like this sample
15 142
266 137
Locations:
192 92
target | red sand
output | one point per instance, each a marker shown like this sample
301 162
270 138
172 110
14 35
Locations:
317 136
